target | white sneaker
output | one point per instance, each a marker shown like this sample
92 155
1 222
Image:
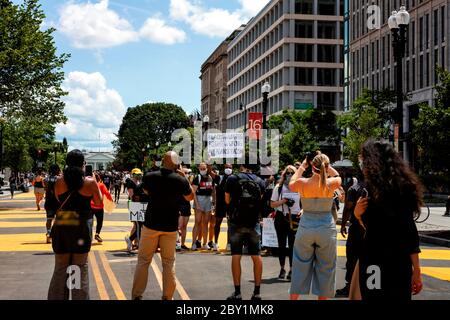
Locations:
129 244
215 247
194 247
206 247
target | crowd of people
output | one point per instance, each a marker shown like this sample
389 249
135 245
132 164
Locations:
302 201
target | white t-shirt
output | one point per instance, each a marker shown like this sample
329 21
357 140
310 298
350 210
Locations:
286 193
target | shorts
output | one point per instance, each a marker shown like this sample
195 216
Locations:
205 203
240 236
185 210
39 191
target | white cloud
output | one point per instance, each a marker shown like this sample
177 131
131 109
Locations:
92 108
95 26
214 22
156 30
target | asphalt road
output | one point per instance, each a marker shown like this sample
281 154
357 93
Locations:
26 263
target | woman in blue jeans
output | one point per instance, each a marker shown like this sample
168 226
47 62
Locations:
314 256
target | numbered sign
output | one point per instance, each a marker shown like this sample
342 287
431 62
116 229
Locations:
255 123
137 211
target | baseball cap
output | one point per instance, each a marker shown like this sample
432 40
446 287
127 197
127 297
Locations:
136 171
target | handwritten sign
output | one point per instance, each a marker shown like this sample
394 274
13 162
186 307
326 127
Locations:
269 234
137 211
225 145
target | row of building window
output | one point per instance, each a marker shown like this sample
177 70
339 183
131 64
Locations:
324 7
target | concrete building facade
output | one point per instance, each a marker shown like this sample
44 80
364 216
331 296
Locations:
297 46
372 58
214 78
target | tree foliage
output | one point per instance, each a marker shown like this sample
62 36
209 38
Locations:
431 130
145 125
370 116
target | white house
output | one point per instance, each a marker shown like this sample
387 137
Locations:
98 160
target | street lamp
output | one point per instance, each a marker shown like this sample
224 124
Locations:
265 92
398 23
242 108
206 123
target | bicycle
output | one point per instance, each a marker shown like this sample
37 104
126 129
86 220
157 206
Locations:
423 216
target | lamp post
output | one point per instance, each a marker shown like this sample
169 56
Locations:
242 108
398 23
206 124
265 92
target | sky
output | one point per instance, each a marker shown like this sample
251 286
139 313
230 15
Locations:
128 52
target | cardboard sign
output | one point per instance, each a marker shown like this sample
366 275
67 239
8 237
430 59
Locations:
137 211
269 234
225 145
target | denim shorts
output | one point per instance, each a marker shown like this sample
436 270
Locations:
242 236
204 203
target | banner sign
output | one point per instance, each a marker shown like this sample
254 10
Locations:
225 145
137 211
255 123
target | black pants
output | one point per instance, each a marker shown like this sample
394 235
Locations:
116 194
135 233
284 233
99 214
447 206
353 249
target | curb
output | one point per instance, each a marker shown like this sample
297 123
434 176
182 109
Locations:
434 240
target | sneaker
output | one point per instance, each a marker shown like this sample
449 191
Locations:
198 244
215 247
206 247
342 293
211 245
194 247
235 296
289 276
256 297
97 237
178 246
129 245
183 247
282 274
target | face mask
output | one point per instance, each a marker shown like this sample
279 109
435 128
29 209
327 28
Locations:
203 172
288 179
228 171
158 163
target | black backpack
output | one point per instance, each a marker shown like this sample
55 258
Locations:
247 203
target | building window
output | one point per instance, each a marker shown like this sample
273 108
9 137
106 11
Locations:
421 34
436 63
303 76
442 24
407 76
304 52
304 6
326 53
436 27
304 29
421 72
443 57
413 83
327 7
427 29
326 30
428 70
413 37
326 77
326 100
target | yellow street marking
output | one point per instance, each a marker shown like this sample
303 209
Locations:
439 273
158 274
112 278
98 278
181 290
33 224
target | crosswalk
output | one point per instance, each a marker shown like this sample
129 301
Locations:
23 230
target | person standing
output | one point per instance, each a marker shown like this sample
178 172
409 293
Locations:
135 194
389 266
12 185
243 194
185 214
72 230
166 188
203 188
51 203
447 207
314 256
39 189
117 187
355 235
285 213
97 210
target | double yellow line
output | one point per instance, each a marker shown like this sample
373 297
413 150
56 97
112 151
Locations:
103 293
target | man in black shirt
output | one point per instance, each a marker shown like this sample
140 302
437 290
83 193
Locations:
243 194
355 234
166 190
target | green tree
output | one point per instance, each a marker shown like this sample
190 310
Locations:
370 116
431 130
30 70
296 139
145 125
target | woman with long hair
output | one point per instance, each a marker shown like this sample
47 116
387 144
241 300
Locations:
97 210
389 265
285 213
314 257
72 230
39 190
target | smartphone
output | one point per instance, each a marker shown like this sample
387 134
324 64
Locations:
88 171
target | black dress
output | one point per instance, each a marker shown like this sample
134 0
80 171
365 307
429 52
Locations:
390 239
72 230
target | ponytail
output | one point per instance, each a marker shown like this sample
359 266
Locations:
323 175
320 167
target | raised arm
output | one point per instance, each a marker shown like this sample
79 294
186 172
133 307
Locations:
296 182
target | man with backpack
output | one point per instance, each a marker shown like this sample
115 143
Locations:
243 195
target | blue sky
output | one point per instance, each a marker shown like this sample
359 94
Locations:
128 52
